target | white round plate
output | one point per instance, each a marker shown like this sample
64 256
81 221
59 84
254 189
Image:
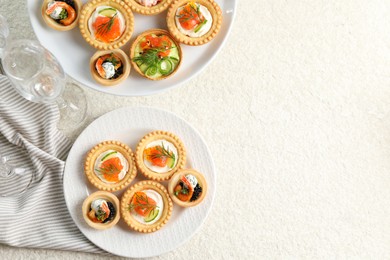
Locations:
129 125
74 52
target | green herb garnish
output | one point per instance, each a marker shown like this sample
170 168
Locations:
111 169
112 59
163 152
106 27
142 203
63 15
100 214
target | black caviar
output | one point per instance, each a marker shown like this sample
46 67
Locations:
70 2
118 72
197 192
112 212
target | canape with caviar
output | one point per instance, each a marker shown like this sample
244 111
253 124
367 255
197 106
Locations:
146 206
110 67
101 210
110 166
194 22
148 7
61 15
159 155
187 187
106 25
155 54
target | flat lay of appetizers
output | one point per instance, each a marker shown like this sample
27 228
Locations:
145 203
108 27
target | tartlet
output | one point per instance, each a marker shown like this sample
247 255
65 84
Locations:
110 166
141 6
194 22
101 210
106 24
187 188
155 55
159 155
69 13
110 67
146 206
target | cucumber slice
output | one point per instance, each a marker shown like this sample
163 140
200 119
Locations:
152 70
106 156
108 12
174 60
171 162
165 66
152 215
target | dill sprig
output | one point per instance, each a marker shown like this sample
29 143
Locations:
189 15
112 59
163 152
106 27
111 169
148 57
142 202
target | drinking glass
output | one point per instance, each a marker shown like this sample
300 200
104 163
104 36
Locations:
38 76
13 180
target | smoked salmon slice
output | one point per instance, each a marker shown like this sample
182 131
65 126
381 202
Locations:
107 29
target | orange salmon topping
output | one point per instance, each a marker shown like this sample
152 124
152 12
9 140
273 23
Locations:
142 204
107 29
159 156
190 16
111 169
163 43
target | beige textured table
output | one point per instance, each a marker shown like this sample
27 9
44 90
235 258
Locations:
296 112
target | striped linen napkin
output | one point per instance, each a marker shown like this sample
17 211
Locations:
37 218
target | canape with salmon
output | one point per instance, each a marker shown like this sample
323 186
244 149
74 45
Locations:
155 55
187 187
110 166
61 15
159 155
106 25
101 210
148 7
146 206
194 22
110 67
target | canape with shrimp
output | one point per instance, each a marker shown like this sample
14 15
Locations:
110 67
61 15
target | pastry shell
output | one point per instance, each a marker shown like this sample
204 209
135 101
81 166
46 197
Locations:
148 10
86 13
108 197
99 149
156 135
158 32
110 82
215 12
175 180
57 26
131 221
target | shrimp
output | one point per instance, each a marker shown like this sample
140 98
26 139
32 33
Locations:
70 10
114 59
